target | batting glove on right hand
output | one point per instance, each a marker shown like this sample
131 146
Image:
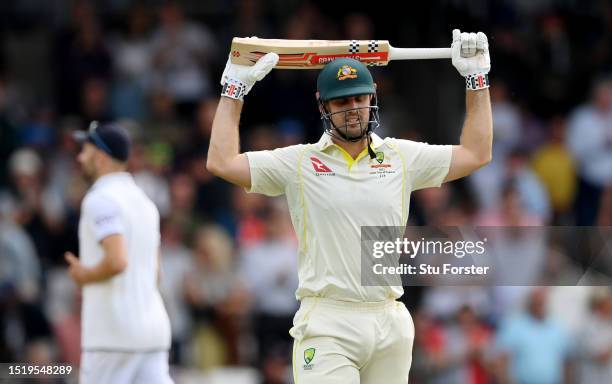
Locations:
237 80
470 53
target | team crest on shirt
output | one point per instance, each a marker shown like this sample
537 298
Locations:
309 354
381 169
380 157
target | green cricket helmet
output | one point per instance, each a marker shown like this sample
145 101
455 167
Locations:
345 77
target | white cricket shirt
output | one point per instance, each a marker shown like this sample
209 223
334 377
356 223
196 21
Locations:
126 312
331 196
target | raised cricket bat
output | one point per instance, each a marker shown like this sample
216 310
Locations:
314 54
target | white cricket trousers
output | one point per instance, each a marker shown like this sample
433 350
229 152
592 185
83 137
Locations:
351 343
124 368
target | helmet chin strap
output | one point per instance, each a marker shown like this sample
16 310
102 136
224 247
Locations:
370 149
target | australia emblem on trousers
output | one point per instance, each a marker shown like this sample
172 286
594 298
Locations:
309 355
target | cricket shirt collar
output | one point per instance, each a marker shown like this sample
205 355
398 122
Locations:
112 177
326 141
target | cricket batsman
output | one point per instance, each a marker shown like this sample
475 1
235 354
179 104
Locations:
345 332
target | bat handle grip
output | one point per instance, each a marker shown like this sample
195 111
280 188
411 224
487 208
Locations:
419 53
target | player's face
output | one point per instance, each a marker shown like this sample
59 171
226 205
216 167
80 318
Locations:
86 159
356 113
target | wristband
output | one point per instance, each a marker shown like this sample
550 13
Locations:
477 81
234 89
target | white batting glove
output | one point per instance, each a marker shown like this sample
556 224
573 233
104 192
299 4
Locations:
237 80
470 52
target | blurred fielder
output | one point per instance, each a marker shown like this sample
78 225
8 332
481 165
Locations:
125 333
345 332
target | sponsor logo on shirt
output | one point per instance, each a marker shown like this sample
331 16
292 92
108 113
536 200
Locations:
102 220
320 168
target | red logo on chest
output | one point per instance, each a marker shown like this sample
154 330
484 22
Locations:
319 166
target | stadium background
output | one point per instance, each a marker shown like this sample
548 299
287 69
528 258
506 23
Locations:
229 259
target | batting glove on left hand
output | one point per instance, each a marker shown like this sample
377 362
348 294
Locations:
237 80
470 53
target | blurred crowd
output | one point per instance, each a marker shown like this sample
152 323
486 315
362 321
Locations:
229 259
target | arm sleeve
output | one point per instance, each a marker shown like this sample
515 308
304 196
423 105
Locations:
271 171
427 164
104 216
